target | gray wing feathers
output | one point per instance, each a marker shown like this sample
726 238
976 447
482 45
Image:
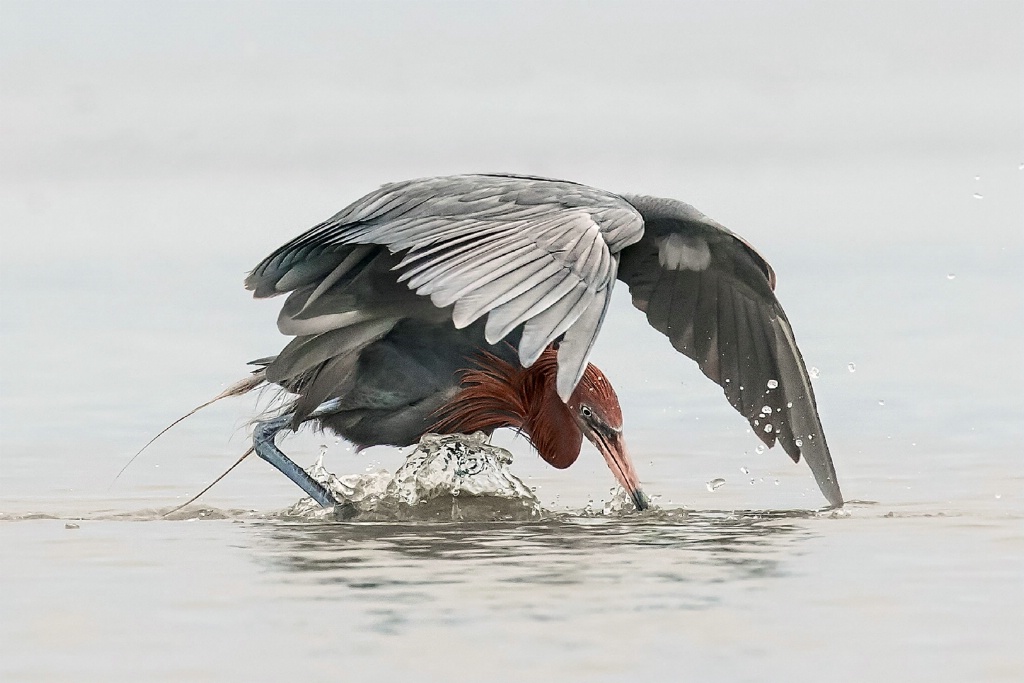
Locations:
523 251
510 298
577 343
305 353
343 268
568 304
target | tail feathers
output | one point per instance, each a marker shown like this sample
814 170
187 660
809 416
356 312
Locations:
237 389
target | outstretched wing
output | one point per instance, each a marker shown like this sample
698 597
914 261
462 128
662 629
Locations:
522 251
712 295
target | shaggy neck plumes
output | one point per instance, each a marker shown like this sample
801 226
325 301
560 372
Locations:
498 394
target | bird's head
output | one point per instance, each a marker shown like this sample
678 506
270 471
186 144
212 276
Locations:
595 408
499 394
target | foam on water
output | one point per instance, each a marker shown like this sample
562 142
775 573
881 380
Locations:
447 478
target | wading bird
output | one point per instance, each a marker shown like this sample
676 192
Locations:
471 302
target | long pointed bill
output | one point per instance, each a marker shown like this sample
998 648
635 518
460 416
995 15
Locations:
613 448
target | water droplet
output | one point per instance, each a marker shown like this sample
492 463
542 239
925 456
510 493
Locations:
977 177
978 195
766 410
951 276
71 525
773 384
881 401
852 367
759 449
998 496
799 443
768 429
789 405
814 372
715 484
1020 167
744 470
776 482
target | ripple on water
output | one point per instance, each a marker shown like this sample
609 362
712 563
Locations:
449 478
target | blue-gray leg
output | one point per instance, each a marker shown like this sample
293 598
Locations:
263 442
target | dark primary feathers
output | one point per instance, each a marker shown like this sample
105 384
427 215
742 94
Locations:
415 279
715 303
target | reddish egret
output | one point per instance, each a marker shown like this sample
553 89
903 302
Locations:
472 302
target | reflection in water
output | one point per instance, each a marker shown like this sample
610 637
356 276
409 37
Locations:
714 532
455 520
541 570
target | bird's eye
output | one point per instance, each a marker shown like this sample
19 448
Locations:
585 411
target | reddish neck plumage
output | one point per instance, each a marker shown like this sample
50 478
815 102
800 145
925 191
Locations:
497 394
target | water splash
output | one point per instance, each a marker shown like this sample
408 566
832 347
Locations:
447 478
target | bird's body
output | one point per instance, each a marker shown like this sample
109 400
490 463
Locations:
472 302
